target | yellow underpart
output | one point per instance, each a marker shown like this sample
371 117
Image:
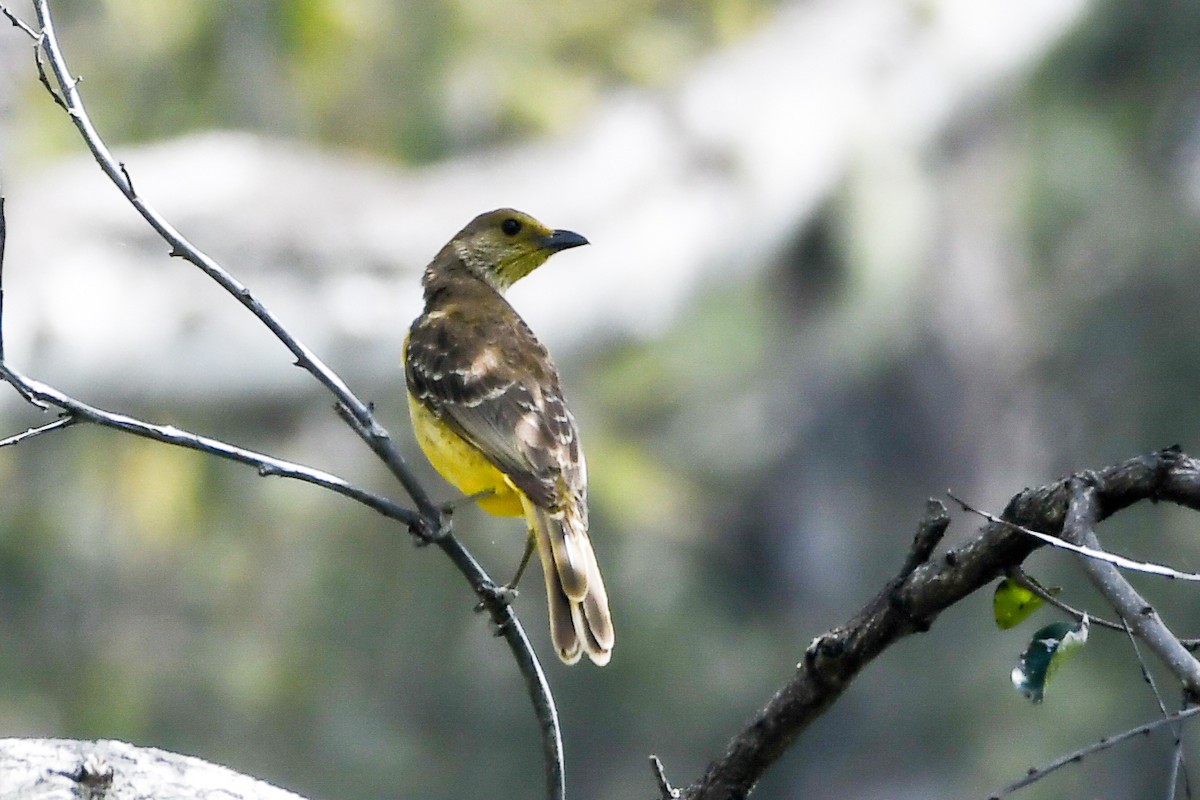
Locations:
464 466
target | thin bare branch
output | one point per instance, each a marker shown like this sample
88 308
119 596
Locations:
1178 763
1029 582
44 78
1095 553
64 421
1036 774
368 428
1146 674
428 521
18 23
665 790
169 434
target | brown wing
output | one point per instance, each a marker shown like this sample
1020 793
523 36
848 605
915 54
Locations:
489 379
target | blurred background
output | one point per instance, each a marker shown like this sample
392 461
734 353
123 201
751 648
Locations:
846 254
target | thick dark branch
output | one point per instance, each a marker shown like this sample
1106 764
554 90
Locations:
912 602
829 665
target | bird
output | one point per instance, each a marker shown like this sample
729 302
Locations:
488 411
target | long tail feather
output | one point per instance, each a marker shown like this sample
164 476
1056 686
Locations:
596 613
573 557
580 621
558 605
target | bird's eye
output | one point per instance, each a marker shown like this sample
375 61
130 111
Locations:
510 226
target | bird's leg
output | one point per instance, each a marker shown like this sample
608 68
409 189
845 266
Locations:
425 536
530 543
449 506
447 509
508 592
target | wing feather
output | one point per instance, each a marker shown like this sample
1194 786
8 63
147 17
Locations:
492 382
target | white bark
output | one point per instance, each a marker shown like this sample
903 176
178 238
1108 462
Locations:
65 769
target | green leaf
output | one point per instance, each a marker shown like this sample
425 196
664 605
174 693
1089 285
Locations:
1050 647
1013 603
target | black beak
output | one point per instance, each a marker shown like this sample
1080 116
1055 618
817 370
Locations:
562 240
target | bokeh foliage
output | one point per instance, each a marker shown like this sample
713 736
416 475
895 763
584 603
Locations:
414 81
749 494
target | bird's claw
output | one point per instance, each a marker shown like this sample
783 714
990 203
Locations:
491 594
445 525
425 533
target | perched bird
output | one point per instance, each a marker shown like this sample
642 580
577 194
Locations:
489 413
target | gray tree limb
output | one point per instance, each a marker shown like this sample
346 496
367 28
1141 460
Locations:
913 600
65 769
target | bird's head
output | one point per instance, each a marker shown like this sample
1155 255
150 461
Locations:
504 245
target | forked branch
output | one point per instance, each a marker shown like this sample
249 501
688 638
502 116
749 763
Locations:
913 600
426 521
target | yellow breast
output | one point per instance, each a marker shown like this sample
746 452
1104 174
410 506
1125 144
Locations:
460 463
